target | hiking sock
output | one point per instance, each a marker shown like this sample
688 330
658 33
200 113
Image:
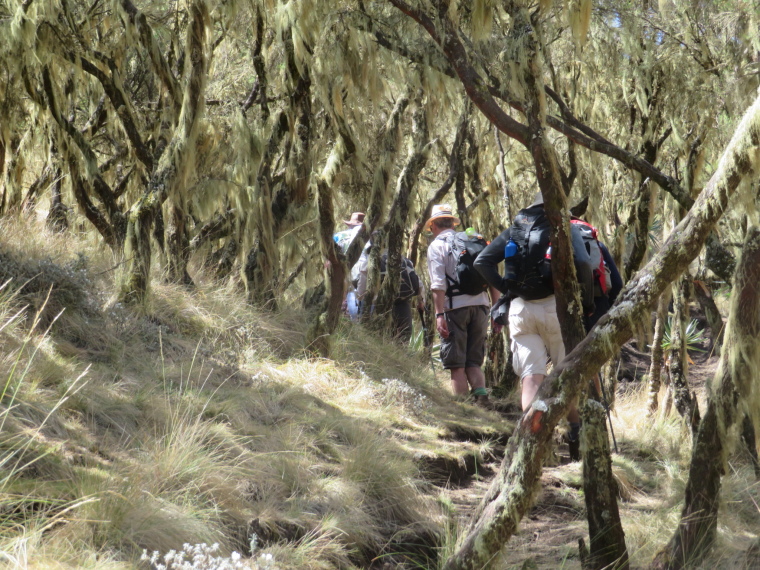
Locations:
575 431
480 392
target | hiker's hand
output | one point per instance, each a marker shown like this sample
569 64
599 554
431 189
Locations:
496 327
441 326
420 305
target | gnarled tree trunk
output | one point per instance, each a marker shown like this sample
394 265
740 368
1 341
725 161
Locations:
398 214
173 166
714 319
607 548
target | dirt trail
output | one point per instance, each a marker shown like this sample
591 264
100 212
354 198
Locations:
548 534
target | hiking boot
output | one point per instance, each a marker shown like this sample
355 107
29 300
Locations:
483 402
575 449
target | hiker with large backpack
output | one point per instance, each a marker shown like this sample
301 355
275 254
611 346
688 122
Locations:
607 280
461 301
525 249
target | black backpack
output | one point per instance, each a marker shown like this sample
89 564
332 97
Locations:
409 284
467 281
527 260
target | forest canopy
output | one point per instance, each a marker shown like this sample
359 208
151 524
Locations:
233 137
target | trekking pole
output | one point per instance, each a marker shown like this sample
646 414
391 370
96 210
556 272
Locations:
606 404
426 338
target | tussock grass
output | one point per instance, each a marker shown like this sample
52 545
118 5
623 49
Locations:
200 419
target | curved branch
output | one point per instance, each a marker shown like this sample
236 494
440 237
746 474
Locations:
120 104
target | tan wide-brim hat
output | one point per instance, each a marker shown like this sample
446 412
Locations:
357 219
442 211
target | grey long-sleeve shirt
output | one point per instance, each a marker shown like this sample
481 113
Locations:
488 261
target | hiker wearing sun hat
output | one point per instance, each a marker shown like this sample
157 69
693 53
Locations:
442 212
461 318
356 219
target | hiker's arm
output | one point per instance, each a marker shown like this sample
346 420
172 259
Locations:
439 304
488 261
437 273
584 269
495 295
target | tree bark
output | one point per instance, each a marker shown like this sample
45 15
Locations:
734 383
280 206
750 441
328 310
56 218
714 319
263 256
683 398
103 191
377 204
607 539
655 368
438 195
641 214
398 213
505 188
498 367
178 244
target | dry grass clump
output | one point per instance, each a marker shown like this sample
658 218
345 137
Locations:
51 278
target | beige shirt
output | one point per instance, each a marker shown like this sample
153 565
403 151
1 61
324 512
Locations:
441 262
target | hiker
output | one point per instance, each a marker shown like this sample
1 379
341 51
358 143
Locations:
343 240
461 302
607 284
409 287
607 280
533 324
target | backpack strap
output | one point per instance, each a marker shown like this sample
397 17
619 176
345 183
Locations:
451 242
525 244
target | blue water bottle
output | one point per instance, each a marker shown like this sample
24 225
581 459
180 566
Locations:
510 263
510 250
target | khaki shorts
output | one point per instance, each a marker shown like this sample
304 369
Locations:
466 345
536 336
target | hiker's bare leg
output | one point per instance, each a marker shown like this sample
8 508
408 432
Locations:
459 384
475 377
530 385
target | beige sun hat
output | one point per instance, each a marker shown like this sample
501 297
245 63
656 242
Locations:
357 219
442 211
